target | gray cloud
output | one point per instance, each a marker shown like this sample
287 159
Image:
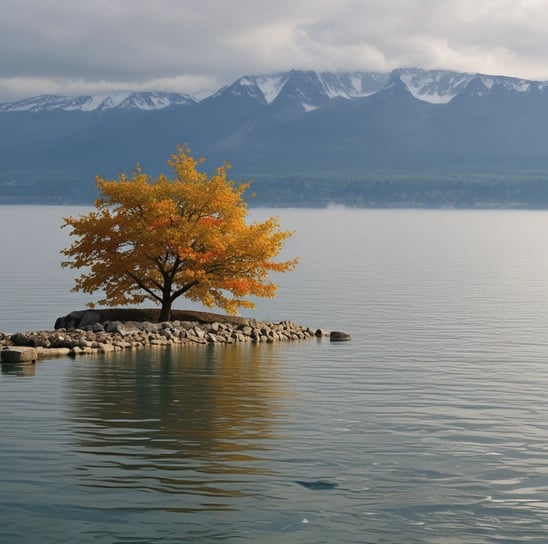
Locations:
69 47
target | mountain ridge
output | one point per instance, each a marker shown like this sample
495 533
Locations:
142 100
434 86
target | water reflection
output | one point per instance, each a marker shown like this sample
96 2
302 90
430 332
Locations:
178 421
19 369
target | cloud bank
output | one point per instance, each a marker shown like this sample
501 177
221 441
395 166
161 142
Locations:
67 47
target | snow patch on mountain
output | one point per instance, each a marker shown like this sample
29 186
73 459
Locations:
102 102
350 85
511 84
434 86
271 85
37 103
309 107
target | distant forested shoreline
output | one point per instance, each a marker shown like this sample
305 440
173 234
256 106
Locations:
484 192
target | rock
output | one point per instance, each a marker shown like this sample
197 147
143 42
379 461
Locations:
198 332
48 353
113 326
21 339
70 320
89 317
19 354
39 340
76 319
339 336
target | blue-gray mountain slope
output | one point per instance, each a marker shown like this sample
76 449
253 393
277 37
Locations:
301 125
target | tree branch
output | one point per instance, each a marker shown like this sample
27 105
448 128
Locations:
143 286
183 290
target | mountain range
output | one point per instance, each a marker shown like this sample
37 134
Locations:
409 137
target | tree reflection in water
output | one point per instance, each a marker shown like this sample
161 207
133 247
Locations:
193 421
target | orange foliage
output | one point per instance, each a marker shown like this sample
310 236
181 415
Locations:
162 238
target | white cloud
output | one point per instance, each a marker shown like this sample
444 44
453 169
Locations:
68 47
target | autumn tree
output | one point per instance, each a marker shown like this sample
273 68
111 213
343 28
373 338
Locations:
159 239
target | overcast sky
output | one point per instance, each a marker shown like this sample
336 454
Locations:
73 47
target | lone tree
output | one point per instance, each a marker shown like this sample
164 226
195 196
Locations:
159 239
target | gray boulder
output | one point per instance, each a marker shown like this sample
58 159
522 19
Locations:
339 336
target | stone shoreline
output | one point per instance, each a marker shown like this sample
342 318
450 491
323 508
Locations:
117 336
107 330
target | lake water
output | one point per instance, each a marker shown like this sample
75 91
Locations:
430 426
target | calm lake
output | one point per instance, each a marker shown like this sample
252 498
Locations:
430 426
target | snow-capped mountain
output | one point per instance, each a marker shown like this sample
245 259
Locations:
124 100
441 86
310 89
314 89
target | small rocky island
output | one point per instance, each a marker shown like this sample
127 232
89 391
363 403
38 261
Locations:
106 330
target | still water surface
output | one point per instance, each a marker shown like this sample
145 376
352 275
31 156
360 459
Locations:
430 426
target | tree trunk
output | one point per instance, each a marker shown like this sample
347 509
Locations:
165 312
